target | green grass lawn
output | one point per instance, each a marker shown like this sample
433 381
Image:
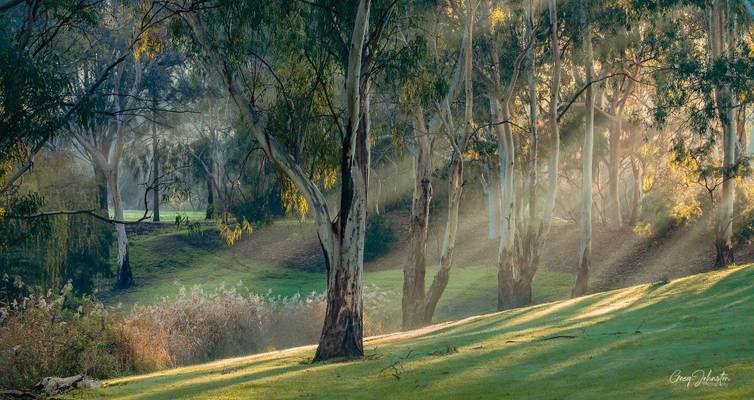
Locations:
165 261
166 216
627 343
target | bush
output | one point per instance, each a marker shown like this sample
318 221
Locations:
58 335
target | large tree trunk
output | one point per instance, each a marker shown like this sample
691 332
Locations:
124 278
155 168
414 270
585 244
342 332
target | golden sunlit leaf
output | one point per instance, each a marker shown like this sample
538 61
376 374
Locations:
497 16
683 212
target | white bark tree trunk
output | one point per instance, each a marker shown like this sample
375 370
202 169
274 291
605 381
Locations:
125 277
585 243
155 166
614 217
725 100
554 162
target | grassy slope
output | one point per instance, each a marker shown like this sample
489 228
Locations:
163 262
627 341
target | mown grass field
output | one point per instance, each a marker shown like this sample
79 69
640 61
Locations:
639 342
166 216
166 260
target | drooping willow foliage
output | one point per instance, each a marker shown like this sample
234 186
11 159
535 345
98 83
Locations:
49 252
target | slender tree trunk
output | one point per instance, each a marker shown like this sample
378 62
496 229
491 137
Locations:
527 256
585 245
505 272
378 197
221 207
101 181
489 188
743 138
636 190
554 161
124 277
155 167
210 214
414 270
523 221
440 281
500 115
615 220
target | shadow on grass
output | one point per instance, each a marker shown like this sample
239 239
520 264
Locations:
626 341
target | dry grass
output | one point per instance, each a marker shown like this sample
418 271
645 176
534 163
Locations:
53 336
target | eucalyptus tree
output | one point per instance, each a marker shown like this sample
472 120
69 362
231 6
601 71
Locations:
340 43
167 92
518 31
623 55
211 136
458 138
118 105
705 87
35 70
724 43
621 87
587 149
501 82
433 91
47 47
532 229
41 47
105 142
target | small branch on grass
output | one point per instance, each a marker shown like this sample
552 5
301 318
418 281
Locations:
558 337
